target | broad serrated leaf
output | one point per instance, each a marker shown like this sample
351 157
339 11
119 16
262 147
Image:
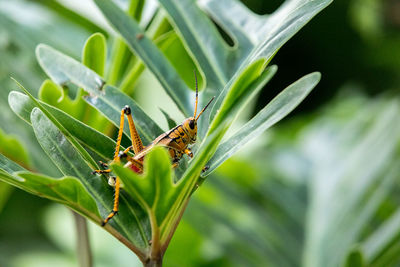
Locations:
278 108
155 190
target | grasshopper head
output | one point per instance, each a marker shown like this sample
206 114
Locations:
190 126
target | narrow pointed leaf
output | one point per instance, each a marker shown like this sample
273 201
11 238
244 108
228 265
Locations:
235 95
149 53
277 109
63 69
22 105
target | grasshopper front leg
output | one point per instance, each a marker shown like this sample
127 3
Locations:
189 152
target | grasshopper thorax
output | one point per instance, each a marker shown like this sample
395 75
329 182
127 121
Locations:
190 127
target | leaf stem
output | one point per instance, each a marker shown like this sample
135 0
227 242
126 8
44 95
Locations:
156 253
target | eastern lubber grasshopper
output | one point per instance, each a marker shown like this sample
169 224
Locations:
176 140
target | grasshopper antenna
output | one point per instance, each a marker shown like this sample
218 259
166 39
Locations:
205 108
197 94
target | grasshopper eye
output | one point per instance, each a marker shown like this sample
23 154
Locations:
191 124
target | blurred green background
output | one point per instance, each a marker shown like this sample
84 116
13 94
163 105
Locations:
318 189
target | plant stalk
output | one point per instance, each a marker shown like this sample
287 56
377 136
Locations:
82 241
153 263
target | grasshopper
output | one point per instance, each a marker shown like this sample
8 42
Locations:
176 140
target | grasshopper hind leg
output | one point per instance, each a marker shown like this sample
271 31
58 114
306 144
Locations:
137 146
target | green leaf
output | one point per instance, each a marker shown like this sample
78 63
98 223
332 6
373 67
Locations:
22 105
236 94
135 9
155 190
64 11
149 53
278 108
95 53
56 96
130 226
63 69
255 37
